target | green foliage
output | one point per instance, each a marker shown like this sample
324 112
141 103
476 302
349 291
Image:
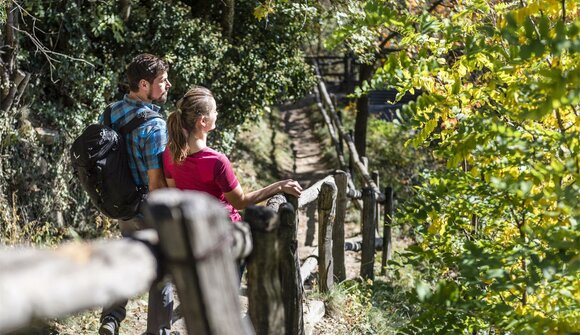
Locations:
497 229
398 166
3 8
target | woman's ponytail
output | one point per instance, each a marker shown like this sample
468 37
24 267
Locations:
177 141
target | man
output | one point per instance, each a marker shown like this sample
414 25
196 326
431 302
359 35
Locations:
148 83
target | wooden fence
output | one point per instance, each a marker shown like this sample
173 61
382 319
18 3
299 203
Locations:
192 240
371 194
339 72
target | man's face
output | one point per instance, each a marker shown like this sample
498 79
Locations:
159 88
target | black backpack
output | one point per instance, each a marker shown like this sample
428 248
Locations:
100 160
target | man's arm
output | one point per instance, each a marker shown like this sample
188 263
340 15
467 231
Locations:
156 179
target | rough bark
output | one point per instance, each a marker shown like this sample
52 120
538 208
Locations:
265 308
195 240
362 114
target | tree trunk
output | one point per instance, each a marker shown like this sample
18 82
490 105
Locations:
221 12
362 114
8 65
228 11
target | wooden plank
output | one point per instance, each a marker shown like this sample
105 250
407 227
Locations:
333 135
376 179
309 266
241 240
326 214
380 197
340 177
275 202
51 283
264 289
368 234
195 239
311 194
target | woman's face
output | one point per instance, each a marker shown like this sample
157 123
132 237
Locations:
212 118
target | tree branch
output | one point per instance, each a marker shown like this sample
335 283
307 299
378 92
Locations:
47 52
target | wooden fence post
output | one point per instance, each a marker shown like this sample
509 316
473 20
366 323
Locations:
195 237
368 234
340 179
326 213
364 161
388 222
376 179
264 289
340 133
351 162
290 279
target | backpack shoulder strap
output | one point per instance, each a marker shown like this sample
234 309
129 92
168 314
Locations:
107 116
139 120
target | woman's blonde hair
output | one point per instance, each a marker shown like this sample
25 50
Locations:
196 103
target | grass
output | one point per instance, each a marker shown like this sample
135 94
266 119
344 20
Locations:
377 307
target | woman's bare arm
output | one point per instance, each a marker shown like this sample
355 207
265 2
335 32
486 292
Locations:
170 182
241 200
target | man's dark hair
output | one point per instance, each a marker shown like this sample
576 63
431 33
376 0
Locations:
144 66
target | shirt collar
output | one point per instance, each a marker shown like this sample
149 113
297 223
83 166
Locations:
139 103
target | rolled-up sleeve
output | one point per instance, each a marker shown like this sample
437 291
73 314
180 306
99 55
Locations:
154 145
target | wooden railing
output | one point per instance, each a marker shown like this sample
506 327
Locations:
340 72
371 194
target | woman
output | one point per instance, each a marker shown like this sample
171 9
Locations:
190 164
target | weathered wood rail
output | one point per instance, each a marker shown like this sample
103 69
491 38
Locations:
340 72
76 276
371 194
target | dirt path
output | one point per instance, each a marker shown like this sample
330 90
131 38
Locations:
309 167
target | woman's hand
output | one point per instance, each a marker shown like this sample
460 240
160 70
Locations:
241 200
291 187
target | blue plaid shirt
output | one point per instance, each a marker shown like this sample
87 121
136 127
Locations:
145 144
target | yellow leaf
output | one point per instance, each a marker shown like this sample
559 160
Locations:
262 11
